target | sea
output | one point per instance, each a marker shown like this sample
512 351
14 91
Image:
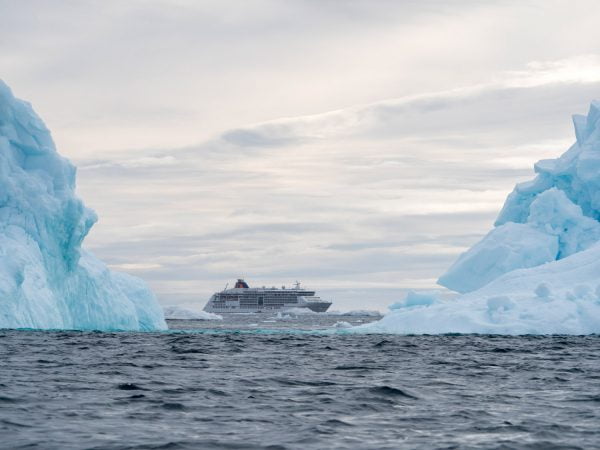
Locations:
307 382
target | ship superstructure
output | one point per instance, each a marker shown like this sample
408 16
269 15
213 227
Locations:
242 298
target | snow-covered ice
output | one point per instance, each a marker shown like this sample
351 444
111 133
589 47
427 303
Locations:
561 297
46 279
180 313
357 312
538 270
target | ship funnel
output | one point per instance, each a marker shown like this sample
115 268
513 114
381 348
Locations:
241 284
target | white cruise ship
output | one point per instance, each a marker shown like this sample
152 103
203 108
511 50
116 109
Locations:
243 299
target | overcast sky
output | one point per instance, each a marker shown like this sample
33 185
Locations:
357 146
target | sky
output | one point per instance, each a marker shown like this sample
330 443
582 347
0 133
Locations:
356 146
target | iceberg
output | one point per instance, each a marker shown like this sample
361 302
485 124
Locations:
47 280
538 270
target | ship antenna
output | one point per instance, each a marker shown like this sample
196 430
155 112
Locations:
227 284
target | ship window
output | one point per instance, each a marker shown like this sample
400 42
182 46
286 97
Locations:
260 301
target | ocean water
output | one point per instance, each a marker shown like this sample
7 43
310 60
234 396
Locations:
263 382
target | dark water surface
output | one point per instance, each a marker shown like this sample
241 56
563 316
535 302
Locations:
271 388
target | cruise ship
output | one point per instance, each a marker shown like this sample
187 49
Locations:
244 299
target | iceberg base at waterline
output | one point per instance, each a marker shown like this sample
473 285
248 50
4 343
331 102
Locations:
560 297
47 281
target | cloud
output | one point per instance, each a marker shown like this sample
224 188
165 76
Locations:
352 145
449 114
133 163
385 194
109 76
577 69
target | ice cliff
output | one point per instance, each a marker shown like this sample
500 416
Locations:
538 270
46 279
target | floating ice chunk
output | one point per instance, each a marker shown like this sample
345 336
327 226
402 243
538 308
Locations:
180 313
281 316
358 312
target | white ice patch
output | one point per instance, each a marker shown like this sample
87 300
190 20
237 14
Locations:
180 313
358 312
342 324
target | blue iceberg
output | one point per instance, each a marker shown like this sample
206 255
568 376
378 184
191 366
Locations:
549 218
47 280
538 270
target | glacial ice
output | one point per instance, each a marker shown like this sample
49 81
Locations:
554 229
561 297
551 217
47 280
176 312
538 270
412 298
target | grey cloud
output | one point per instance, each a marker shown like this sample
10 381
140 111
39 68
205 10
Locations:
255 138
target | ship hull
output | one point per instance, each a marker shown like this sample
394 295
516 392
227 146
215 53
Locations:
318 307
315 307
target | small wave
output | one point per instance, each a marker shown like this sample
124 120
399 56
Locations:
130 387
356 368
173 406
389 391
291 382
